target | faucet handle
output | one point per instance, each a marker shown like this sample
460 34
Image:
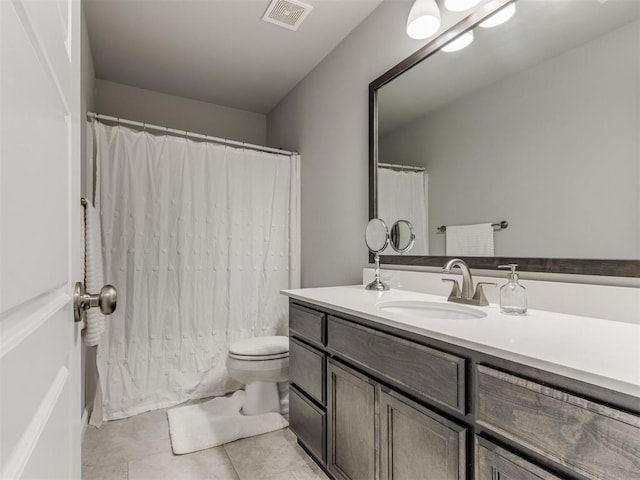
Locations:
455 289
479 296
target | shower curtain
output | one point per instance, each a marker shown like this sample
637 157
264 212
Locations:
199 239
402 195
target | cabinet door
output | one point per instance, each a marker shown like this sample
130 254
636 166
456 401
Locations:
594 440
351 409
496 463
423 371
307 370
308 324
417 443
307 421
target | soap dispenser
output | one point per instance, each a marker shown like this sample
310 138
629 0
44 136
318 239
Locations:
513 296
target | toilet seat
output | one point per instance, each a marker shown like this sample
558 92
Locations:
258 358
260 348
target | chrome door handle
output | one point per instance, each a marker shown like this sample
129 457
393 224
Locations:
107 300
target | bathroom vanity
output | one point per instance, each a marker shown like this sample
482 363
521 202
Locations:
377 394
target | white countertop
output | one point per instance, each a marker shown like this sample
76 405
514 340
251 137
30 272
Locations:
596 351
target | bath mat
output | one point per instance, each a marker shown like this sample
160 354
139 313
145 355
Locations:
216 422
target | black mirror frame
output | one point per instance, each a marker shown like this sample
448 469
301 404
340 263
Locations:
576 266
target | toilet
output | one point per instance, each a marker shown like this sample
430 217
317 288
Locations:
260 363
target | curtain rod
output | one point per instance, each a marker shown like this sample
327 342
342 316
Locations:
400 168
185 133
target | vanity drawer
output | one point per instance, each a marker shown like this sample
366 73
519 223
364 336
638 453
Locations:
308 422
592 439
308 324
424 371
493 462
307 369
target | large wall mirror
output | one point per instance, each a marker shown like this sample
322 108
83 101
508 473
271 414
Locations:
536 123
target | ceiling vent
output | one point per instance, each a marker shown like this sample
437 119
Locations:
287 13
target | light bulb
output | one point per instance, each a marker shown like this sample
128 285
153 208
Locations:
424 19
500 17
459 43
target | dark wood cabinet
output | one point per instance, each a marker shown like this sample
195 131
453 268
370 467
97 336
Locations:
307 324
425 372
594 440
308 422
307 372
496 463
417 443
352 429
375 402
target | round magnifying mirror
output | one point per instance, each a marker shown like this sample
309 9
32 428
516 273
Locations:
376 235
402 237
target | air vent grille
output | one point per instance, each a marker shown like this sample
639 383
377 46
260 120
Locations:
287 13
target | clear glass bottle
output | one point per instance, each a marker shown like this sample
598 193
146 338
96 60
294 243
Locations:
513 296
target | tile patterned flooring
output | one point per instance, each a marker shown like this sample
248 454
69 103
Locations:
138 448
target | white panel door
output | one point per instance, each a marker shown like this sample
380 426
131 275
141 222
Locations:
40 411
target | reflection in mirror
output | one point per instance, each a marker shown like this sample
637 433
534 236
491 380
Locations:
537 121
403 192
401 236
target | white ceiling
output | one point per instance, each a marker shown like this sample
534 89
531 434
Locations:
218 51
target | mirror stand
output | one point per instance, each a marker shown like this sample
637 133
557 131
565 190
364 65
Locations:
377 284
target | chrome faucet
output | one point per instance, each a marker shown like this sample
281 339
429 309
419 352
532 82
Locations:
465 294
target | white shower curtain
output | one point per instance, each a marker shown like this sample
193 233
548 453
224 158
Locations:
199 239
402 195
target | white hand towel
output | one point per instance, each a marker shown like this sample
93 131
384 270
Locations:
94 276
470 240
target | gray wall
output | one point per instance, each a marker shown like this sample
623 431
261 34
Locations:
133 103
563 169
325 118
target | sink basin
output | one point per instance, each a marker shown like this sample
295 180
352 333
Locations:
418 309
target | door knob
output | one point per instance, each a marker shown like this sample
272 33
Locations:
107 300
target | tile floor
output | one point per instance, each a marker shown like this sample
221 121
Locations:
139 448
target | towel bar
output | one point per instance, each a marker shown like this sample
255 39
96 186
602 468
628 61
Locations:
497 226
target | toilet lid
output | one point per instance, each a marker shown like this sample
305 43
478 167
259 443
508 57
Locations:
273 347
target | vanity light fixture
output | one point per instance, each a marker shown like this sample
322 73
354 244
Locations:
459 43
500 17
460 5
424 19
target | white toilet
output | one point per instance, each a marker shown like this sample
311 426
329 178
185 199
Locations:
260 363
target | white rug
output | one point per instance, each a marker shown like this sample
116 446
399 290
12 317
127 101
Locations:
216 422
